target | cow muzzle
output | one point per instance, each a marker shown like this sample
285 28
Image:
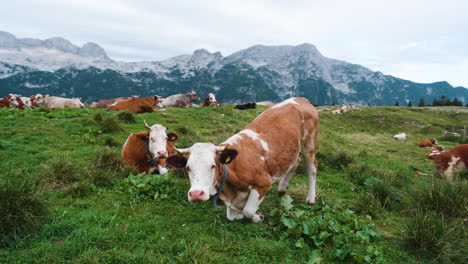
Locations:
197 195
162 154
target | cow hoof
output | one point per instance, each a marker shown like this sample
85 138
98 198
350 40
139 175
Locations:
311 203
281 193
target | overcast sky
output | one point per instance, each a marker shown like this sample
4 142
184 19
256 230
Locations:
420 40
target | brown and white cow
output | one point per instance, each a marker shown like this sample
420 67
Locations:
210 100
148 150
60 102
4 102
137 105
15 101
450 161
265 151
181 100
427 143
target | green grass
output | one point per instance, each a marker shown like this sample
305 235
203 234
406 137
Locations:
94 213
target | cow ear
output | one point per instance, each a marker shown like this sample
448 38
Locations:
227 156
172 136
142 135
177 161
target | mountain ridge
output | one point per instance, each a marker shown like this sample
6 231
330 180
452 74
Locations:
257 73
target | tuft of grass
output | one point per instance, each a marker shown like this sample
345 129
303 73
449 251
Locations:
366 203
337 159
358 172
449 199
126 117
109 124
22 208
43 109
59 171
98 117
106 165
111 142
432 235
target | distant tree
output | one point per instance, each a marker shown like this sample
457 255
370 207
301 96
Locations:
455 102
422 103
397 104
410 104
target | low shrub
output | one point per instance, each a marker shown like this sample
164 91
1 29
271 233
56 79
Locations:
126 117
22 207
106 122
334 234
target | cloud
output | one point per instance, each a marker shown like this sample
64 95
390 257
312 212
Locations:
374 33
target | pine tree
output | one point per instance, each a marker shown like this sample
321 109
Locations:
410 104
455 102
422 103
397 104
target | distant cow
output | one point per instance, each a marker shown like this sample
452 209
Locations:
451 134
37 100
181 100
15 101
106 103
60 102
427 143
137 105
400 136
450 161
4 102
148 150
267 150
246 106
210 100
337 111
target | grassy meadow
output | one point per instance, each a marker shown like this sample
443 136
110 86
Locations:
65 197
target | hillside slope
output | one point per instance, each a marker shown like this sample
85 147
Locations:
112 221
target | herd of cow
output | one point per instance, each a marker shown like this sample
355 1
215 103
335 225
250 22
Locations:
242 169
134 104
446 162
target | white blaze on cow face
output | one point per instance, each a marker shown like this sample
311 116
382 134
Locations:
157 141
201 166
211 98
13 100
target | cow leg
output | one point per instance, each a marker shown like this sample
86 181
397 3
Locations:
312 166
253 202
284 183
233 214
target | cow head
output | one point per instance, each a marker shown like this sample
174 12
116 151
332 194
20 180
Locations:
193 96
157 101
14 100
157 140
78 102
212 98
39 98
202 163
435 151
434 141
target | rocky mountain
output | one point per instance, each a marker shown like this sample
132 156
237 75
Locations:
56 66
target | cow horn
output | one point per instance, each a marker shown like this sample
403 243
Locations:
220 148
146 125
183 151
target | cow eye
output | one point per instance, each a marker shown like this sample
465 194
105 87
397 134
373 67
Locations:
213 166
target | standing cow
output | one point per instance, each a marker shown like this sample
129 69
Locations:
181 100
148 150
248 163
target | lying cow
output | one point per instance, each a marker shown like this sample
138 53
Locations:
400 136
248 163
4 102
210 100
137 105
450 161
246 106
60 102
427 143
181 100
148 150
15 101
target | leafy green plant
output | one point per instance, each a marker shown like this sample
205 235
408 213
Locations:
22 207
151 186
336 234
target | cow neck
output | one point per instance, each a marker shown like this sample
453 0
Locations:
150 160
220 183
